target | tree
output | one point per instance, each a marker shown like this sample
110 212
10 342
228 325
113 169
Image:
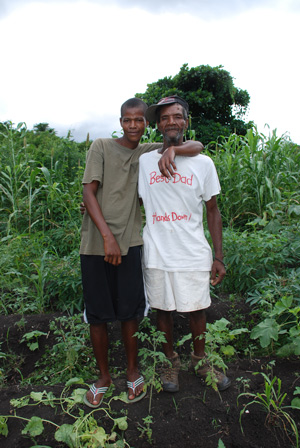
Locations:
43 127
217 107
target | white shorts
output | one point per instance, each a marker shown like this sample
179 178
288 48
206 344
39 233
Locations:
183 291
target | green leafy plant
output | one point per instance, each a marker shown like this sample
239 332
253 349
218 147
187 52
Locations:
271 401
31 339
218 344
71 355
85 432
151 359
281 329
243 383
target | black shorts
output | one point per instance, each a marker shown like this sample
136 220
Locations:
113 292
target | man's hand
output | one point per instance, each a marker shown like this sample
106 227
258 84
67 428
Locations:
166 163
82 208
218 272
112 251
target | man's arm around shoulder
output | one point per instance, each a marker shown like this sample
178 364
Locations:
167 164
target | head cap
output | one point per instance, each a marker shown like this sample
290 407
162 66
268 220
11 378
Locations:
151 111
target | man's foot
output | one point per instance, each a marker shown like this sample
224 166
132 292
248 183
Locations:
222 381
94 396
136 387
169 374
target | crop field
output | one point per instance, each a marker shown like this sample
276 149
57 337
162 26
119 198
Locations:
46 359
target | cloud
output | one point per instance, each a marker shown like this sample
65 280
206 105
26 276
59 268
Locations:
207 9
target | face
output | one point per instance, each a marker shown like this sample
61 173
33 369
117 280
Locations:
133 123
172 123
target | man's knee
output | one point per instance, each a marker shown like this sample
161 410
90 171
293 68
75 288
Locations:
198 315
164 316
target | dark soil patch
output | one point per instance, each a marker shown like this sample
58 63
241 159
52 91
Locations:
195 416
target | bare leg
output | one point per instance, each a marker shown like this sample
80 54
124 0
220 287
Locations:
198 328
165 324
129 328
99 338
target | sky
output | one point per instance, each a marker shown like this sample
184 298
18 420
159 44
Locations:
73 63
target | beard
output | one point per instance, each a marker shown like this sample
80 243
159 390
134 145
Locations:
173 140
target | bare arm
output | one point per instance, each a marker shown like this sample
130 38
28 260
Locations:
215 229
166 163
111 247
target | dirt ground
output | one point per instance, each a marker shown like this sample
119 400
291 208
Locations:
196 416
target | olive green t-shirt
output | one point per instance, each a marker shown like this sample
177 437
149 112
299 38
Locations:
116 169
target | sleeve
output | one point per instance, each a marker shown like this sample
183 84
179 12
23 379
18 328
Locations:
212 185
140 178
94 163
148 147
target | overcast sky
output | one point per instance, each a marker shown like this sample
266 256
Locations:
72 63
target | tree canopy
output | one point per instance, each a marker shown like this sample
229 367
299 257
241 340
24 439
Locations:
217 107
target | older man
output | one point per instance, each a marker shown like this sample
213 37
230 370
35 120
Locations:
177 258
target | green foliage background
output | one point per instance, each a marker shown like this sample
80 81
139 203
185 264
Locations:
40 183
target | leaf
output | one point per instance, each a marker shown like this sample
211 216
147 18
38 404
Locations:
34 427
40 446
63 434
77 395
100 436
297 391
296 402
33 346
265 331
37 396
228 350
3 426
121 397
19 402
46 174
239 331
294 209
122 423
74 380
221 444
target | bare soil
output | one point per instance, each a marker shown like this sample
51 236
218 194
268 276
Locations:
196 416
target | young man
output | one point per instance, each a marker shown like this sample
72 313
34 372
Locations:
176 256
110 243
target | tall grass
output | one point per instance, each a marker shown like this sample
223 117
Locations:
40 184
259 176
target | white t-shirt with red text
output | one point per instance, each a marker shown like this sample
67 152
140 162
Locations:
173 236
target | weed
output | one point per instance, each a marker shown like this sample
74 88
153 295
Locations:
216 423
146 428
151 357
175 405
243 384
272 402
71 355
31 339
83 433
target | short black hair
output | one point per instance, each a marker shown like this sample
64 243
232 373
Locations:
133 102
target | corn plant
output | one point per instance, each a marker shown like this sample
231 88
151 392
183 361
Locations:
258 176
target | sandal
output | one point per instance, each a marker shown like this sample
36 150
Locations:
133 385
95 391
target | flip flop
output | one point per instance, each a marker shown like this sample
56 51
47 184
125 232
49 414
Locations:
133 385
95 391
